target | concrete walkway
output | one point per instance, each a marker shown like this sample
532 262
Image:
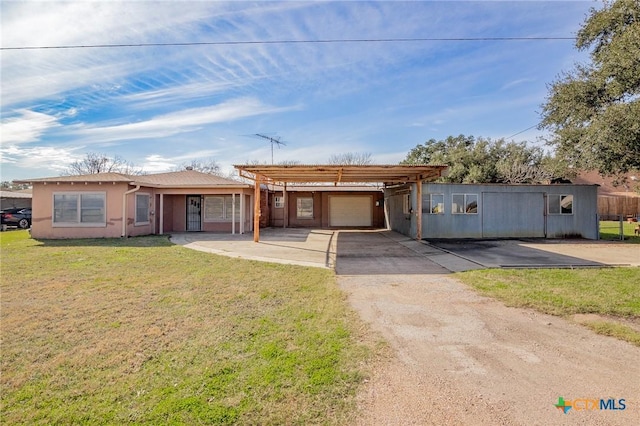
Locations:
357 252
349 252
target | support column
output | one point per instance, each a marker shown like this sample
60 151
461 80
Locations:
419 208
285 213
233 214
161 216
256 210
242 213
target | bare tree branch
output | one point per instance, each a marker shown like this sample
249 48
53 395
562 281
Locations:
94 163
351 158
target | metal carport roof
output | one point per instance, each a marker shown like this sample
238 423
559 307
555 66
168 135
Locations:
389 174
334 173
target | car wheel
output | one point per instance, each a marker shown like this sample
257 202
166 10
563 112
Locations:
23 224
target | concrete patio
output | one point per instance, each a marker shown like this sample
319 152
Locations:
354 252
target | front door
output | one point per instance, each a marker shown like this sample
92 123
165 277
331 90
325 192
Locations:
194 219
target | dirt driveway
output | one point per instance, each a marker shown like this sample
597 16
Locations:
460 358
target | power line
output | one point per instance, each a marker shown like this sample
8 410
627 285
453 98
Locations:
264 42
522 131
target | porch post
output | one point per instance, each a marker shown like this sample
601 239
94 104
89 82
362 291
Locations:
419 208
161 215
285 213
233 213
256 209
242 216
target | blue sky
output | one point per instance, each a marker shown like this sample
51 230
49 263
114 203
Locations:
159 107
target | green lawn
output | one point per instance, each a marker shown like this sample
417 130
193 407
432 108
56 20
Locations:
610 230
611 294
142 331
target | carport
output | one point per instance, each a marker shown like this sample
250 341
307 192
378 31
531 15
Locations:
338 174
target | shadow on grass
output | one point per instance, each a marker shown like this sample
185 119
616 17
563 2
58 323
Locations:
144 241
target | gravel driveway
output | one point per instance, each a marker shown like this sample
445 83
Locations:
460 358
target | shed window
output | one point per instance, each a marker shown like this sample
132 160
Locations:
305 208
433 204
406 204
79 209
560 204
278 202
142 209
220 208
464 204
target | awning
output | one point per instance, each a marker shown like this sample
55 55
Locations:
388 174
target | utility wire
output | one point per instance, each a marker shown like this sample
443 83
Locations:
327 41
522 131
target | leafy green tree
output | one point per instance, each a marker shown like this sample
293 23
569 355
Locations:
594 110
472 160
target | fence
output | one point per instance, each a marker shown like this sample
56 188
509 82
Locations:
617 227
618 205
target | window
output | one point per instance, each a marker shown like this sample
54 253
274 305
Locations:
229 208
464 203
278 202
79 209
560 204
433 204
305 208
142 209
406 204
220 208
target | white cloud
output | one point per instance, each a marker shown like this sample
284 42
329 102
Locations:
186 120
28 126
39 158
157 163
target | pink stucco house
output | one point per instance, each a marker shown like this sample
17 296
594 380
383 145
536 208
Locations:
108 205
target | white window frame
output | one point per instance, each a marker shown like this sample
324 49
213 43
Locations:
465 203
304 214
559 198
227 208
427 203
78 223
278 201
147 202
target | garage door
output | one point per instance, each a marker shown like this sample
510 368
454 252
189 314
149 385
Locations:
350 211
512 215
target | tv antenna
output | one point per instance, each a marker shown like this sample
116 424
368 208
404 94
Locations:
274 141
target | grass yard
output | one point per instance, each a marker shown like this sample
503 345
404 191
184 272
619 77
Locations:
142 331
605 300
610 230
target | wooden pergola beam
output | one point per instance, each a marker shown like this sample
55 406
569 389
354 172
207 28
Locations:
387 174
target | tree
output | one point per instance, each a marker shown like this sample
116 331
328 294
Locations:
12 186
472 160
594 110
94 163
205 166
351 158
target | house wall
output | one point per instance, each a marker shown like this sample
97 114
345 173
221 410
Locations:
42 211
175 210
400 220
320 208
133 229
173 217
503 211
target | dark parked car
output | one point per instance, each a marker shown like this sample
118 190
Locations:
16 217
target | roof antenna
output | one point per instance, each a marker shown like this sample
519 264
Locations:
273 140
